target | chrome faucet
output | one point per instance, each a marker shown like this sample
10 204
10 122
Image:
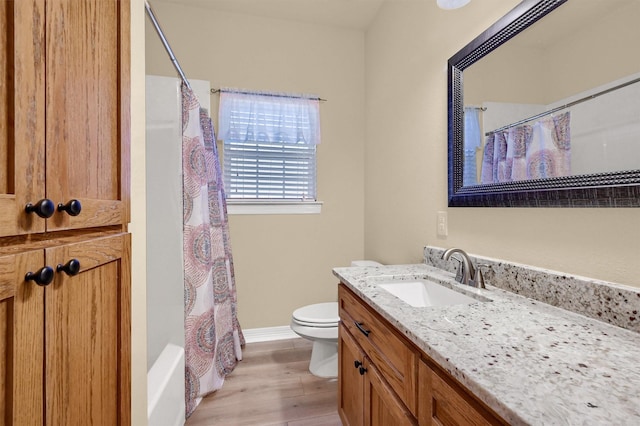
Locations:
466 273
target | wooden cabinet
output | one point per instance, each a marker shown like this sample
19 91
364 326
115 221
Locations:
364 397
445 402
87 334
351 386
64 136
64 106
21 341
384 380
65 346
376 374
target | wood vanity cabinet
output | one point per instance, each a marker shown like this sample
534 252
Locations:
383 379
376 370
365 398
64 261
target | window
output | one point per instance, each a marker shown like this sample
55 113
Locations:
269 148
270 171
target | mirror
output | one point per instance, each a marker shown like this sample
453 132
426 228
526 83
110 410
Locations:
544 108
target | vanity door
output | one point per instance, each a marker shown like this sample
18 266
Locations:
382 405
443 402
350 380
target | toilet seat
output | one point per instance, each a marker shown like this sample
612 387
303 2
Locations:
317 315
315 324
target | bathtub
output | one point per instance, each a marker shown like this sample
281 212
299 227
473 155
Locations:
165 388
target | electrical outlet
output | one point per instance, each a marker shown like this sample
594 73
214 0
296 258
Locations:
442 228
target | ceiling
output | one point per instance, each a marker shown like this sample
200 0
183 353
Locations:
353 14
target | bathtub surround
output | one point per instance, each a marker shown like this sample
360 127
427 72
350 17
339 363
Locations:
601 300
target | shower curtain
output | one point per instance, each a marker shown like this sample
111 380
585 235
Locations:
213 337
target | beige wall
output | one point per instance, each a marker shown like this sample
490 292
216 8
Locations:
407 49
138 221
283 262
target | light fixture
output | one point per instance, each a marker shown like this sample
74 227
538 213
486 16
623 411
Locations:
451 4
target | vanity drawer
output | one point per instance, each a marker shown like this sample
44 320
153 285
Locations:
392 355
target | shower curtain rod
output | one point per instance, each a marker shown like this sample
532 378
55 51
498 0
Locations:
175 62
277 95
570 104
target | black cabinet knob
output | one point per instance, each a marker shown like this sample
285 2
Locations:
362 371
357 363
73 207
43 208
71 268
42 276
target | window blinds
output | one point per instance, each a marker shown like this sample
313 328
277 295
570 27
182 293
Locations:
269 146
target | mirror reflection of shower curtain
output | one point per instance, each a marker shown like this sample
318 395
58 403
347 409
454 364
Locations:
529 151
549 154
472 141
213 337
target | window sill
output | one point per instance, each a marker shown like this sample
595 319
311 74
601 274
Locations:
237 207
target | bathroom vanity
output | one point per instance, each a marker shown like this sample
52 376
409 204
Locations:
500 358
385 380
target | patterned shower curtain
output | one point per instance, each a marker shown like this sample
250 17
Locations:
213 337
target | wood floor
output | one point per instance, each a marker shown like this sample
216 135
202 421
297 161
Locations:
271 386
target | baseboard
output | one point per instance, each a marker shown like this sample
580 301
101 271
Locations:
254 335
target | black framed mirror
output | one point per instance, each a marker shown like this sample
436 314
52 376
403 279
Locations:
599 161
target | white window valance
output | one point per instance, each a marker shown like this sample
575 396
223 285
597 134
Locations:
268 117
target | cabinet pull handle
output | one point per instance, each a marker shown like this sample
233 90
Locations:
362 371
357 363
43 208
362 329
73 207
71 268
42 277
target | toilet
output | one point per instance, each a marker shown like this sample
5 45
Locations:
319 323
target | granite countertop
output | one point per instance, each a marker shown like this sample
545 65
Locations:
532 363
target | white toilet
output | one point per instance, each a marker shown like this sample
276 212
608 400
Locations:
319 323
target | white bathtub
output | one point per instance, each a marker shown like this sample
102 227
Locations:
165 388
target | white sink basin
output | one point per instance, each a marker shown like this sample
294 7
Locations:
423 293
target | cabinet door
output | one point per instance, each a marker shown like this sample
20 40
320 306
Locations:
87 110
382 406
22 118
445 403
87 334
394 358
350 380
21 340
